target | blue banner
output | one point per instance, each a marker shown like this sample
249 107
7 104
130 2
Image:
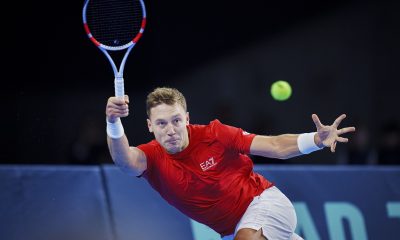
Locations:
102 202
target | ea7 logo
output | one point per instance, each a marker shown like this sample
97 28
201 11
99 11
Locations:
208 164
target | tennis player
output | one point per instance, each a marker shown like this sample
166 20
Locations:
205 170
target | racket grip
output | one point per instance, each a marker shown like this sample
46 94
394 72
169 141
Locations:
119 87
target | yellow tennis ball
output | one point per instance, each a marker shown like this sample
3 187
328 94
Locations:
281 90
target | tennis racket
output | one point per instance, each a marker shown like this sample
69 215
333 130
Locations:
115 25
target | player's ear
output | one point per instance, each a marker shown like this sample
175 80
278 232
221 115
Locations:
187 118
149 125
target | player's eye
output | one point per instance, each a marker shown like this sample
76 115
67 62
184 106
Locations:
161 124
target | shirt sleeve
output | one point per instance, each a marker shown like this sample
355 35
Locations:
150 150
232 137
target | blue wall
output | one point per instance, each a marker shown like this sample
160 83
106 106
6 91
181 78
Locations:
64 202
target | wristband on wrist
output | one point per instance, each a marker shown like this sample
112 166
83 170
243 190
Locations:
115 130
306 144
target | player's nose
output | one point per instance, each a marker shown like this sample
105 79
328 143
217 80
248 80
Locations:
170 129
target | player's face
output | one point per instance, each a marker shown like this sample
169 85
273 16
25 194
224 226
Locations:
168 123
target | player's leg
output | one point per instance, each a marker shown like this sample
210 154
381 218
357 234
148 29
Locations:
249 234
272 212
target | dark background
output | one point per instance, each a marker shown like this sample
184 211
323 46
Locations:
339 56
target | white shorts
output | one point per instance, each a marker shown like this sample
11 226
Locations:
274 213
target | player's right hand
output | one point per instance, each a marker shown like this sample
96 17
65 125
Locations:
117 108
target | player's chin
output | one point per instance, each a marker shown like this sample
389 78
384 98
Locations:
172 149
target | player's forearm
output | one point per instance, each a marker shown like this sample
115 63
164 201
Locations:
119 149
121 154
282 146
117 141
286 145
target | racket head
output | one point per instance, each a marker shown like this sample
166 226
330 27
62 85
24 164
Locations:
114 24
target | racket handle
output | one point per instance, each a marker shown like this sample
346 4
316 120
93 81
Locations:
119 87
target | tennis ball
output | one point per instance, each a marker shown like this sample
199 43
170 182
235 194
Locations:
281 90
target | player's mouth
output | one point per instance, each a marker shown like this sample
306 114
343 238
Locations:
172 141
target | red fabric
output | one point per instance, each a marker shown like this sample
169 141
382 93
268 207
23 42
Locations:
212 180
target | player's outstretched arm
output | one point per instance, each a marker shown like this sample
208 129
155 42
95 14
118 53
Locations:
130 159
290 145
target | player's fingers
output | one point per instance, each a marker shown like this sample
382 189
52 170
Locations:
316 121
115 109
117 103
116 100
342 139
126 97
118 113
338 120
120 107
121 111
333 146
346 130
125 114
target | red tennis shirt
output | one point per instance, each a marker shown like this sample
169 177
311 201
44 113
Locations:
212 179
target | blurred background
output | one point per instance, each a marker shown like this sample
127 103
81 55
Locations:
339 56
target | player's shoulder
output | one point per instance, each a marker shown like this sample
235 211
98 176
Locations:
152 145
206 127
204 132
224 130
216 128
203 125
215 122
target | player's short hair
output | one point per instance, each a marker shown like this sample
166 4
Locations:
166 95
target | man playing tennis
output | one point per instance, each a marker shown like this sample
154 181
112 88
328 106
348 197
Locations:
205 171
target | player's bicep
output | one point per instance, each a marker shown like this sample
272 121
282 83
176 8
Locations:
137 162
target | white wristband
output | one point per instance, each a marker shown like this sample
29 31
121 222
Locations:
306 144
115 130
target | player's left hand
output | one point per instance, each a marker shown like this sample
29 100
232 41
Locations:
329 135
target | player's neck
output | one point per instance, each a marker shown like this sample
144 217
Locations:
186 141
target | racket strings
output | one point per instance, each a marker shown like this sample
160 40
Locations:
114 22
